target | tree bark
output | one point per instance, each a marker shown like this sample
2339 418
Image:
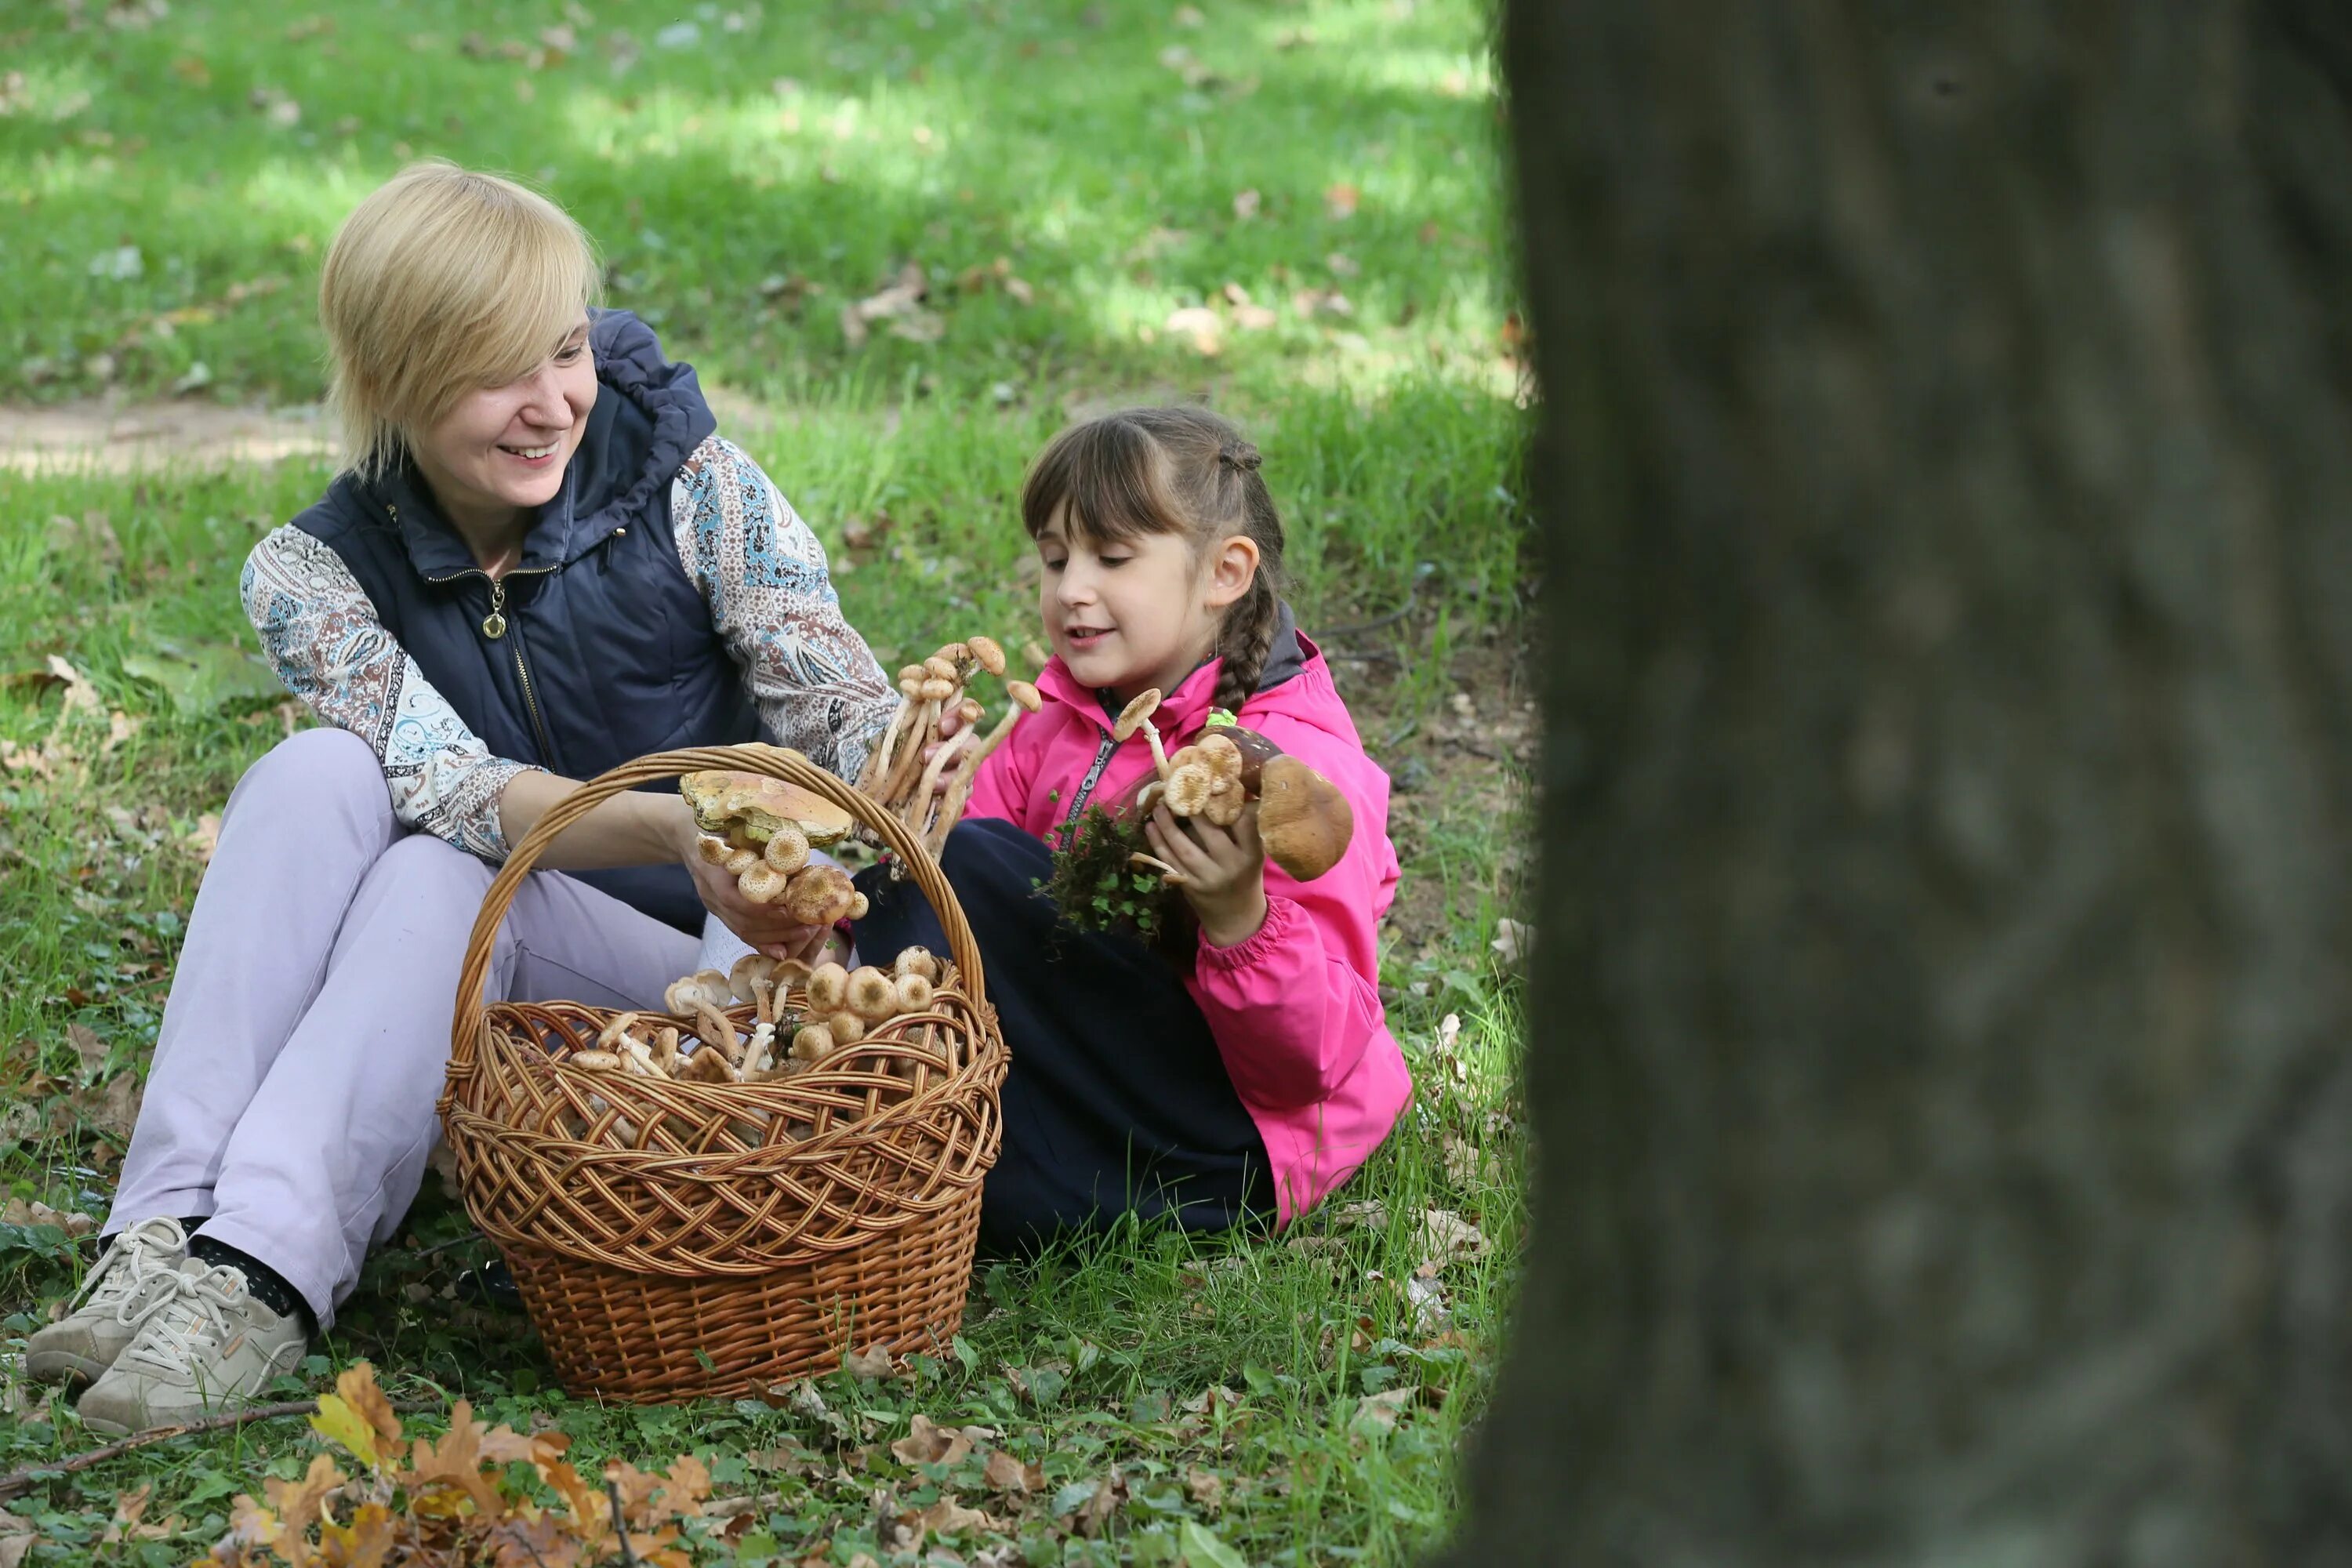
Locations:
1939 1064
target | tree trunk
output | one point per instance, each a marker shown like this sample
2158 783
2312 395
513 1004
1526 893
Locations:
1939 1061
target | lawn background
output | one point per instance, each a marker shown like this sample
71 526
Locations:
1290 211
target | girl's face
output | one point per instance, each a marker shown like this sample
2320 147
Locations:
502 449
1131 614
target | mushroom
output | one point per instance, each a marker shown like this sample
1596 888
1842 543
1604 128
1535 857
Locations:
1168 874
665 1056
761 882
753 980
1131 717
749 808
870 995
1025 699
819 895
846 1028
714 850
917 808
916 961
707 1065
858 906
718 1033
1303 817
913 993
828 988
1187 789
616 1036
739 861
595 1061
787 849
812 1043
791 971
879 756
707 988
987 653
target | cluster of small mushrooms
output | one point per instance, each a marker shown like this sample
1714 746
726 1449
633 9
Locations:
1303 818
927 795
839 1007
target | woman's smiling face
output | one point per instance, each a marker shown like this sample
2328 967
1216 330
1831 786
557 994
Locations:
501 450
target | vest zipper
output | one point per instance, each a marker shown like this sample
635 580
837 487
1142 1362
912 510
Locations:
495 626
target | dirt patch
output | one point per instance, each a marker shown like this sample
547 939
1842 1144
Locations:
115 437
104 434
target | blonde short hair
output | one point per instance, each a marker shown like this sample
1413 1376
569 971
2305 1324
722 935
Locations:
442 280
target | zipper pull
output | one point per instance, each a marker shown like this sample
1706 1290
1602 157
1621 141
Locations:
494 625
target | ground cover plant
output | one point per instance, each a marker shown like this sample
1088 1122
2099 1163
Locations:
904 244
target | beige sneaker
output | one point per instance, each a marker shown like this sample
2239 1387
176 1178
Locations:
208 1346
104 1316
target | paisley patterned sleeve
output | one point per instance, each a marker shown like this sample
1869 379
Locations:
322 634
762 573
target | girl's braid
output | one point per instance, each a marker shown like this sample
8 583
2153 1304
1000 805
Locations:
1244 642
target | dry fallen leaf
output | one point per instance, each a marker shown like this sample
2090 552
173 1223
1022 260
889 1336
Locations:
16 1539
872 1363
1445 1234
1200 324
948 1517
1206 1487
88 1048
928 1444
1514 939
204 837
1378 1412
1006 1474
1246 205
1340 200
80 695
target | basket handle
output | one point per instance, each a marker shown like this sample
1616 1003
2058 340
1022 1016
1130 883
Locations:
776 763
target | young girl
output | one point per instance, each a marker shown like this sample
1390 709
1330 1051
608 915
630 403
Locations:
1251 1085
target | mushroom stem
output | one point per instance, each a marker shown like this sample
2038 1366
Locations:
908 766
1159 752
917 808
1168 874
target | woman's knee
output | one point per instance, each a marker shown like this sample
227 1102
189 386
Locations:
311 774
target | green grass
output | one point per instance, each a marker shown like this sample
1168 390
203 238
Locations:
740 216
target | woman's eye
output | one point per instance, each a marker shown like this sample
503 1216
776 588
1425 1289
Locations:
567 356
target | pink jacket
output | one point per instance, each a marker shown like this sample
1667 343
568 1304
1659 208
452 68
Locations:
1296 1010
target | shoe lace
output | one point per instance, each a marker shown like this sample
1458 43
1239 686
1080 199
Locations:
192 1314
126 1281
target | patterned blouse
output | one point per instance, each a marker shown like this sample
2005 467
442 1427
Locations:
762 571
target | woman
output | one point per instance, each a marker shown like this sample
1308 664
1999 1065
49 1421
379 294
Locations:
541 562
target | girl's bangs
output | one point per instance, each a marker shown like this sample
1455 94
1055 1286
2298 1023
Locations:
1108 479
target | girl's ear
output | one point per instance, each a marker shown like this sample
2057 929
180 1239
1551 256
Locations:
1233 567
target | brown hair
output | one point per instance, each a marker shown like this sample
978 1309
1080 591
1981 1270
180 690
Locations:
1170 470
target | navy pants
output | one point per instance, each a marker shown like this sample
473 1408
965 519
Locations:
1116 1100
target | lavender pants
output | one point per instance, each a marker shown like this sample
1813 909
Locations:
303 1045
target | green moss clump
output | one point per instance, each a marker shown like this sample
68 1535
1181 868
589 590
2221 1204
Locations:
1096 889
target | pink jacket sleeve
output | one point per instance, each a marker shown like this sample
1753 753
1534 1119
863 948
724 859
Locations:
1291 1013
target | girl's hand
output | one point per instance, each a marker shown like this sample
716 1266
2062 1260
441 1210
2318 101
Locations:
1223 868
765 926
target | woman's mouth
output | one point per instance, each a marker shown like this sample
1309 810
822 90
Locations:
534 457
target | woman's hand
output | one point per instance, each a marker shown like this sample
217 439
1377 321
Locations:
1224 869
765 926
949 723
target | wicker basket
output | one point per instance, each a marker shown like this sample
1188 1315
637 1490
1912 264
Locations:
679 1239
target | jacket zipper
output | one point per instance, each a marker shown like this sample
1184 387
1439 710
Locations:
495 626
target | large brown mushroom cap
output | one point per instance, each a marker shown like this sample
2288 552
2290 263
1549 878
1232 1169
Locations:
758 805
1304 820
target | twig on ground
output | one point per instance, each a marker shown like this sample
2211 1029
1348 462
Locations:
16 1482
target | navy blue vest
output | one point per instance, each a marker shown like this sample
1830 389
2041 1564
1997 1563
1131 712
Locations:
607 651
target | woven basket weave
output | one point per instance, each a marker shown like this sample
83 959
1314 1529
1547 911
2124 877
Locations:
675 1239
